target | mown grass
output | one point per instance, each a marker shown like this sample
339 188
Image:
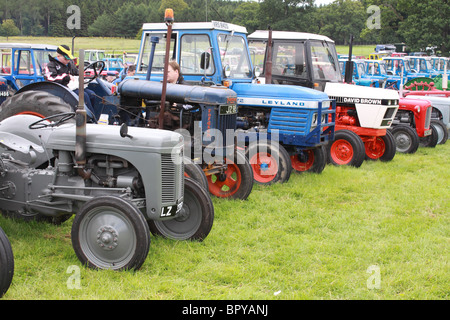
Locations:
314 237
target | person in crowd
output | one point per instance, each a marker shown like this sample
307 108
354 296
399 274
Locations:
130 72
61 69
174 73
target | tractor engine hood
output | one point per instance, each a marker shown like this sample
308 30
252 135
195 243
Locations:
107 139
272 95
176 92
376 107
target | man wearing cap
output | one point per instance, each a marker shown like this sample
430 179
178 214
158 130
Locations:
61 68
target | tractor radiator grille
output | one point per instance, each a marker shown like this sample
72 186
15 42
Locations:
172 179
289 121
428 118
226 122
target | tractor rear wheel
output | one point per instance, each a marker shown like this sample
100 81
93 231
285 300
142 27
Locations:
346 149
195 219
37 103
236 182
406 138
312 160
110 233
6 263
270 162
441 130
383 148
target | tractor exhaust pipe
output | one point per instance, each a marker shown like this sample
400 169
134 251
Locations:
268 65
80 141
349 64
80 118
168 18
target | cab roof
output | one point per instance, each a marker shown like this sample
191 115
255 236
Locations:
218 25
287 35
28 46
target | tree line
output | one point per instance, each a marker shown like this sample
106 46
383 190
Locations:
418 23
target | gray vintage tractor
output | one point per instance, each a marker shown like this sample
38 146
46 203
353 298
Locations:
6 263
122 183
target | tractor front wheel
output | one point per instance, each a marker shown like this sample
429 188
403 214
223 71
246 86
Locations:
6 263
195 219
110 233
406 138
441 130
310 160
270 162
194 171
346 149
236 182
383 148
431 140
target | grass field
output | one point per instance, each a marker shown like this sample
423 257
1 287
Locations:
377 232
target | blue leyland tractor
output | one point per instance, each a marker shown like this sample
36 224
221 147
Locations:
280 128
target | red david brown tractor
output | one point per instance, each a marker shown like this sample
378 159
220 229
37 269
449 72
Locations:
122 183
363 114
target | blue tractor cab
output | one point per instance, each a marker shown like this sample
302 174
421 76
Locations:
22 64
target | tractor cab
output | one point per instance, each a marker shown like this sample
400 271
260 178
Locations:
22 64
300 58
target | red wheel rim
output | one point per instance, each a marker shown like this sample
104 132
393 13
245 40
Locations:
264 166
229 186
374 150
341 151
303 166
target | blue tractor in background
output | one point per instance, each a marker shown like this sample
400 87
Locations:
280 127
22 64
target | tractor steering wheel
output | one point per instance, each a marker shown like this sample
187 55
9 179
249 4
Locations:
98 67
63 117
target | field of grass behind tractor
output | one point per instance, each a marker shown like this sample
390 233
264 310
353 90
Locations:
377 232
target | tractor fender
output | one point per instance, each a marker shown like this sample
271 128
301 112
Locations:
58 90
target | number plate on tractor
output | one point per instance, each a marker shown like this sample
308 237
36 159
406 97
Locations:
428 132
231 109
170 211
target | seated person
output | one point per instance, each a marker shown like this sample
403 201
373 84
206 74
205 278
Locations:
61 69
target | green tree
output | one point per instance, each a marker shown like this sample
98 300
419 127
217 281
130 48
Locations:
341 19
426 24
9 29
247 13
178 7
